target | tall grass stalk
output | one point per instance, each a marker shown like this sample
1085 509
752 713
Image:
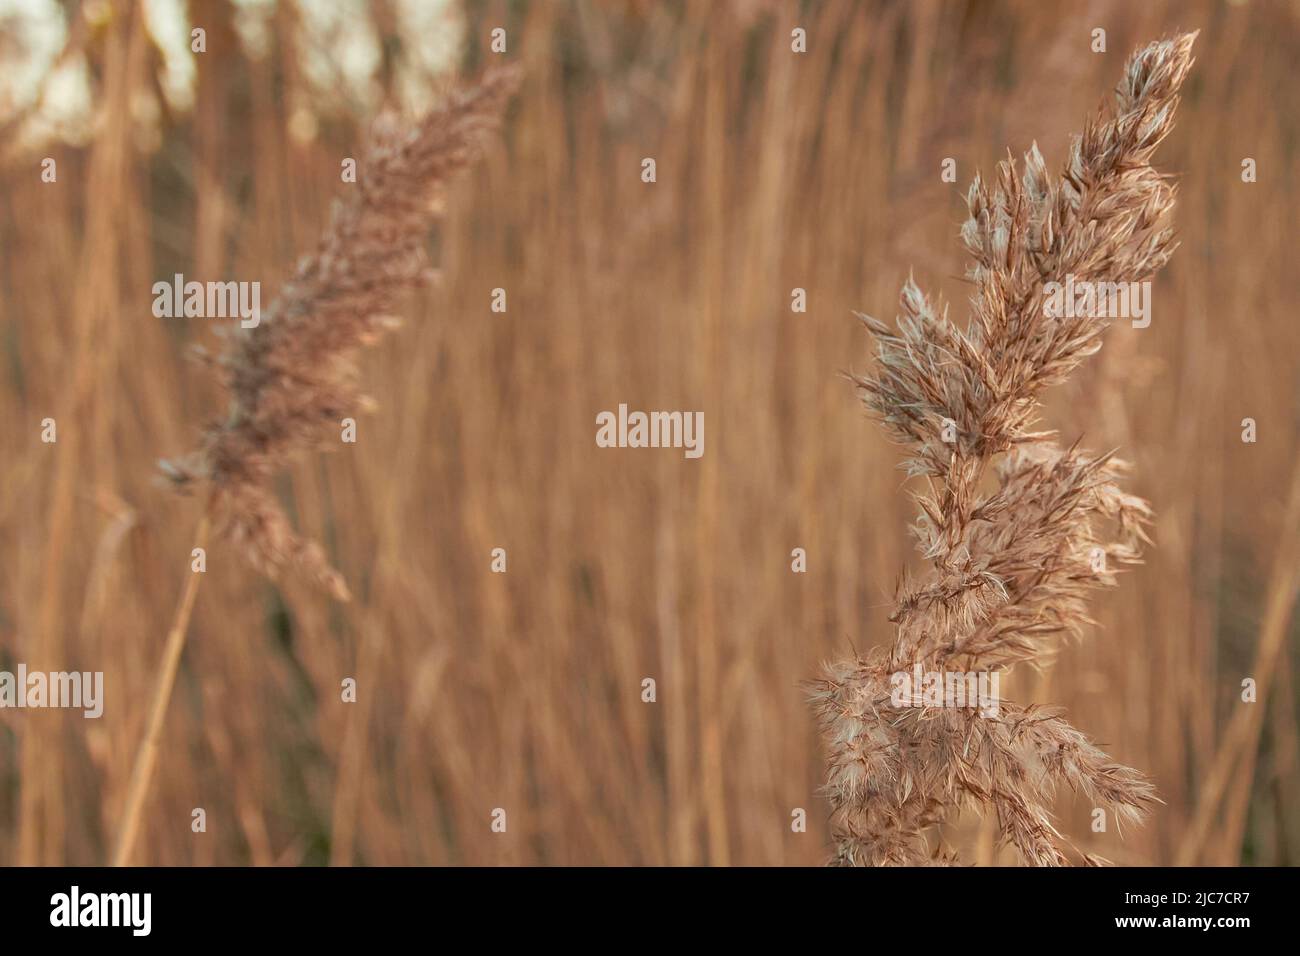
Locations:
1011 567
292 376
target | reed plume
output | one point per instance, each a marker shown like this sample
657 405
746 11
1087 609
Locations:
292 377
1011 567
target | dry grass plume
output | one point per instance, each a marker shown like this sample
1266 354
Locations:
1011 567
292 377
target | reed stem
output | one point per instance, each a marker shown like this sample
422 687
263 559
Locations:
142 772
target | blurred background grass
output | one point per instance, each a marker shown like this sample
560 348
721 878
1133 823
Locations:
523 690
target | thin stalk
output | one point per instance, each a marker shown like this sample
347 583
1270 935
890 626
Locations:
142 772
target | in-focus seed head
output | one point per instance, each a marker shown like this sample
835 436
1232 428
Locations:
1011 568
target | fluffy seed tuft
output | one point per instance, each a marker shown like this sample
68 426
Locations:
292 378
1011 568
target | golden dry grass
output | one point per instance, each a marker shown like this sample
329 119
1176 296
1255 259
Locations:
522 690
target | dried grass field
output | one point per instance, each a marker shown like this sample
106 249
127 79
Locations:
522 691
